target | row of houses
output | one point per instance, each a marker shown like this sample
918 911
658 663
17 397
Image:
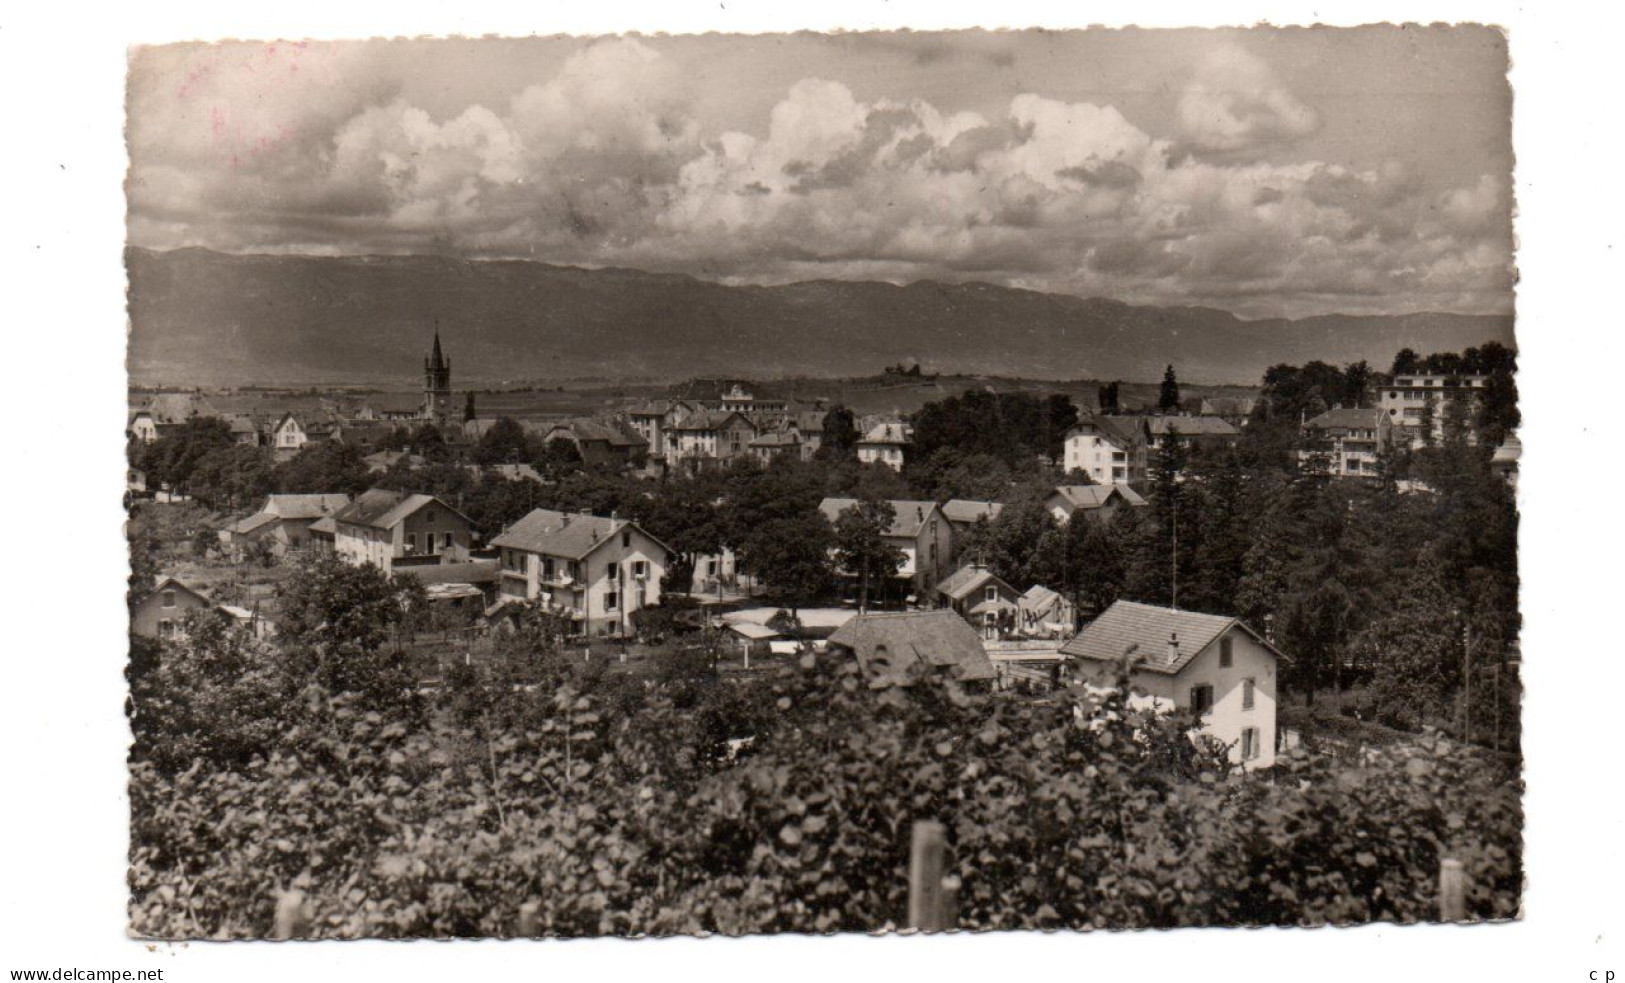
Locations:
1214 668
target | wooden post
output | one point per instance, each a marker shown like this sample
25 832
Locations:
949 917
291 920
530 925
1452 891
925 877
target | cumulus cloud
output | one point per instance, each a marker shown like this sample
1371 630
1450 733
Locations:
607 160
1235 103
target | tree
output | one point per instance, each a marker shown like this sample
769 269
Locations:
1107 397
505 442
232 476
429 443
1416 646
171 459
861 548
324 467
1406 362
789 557
1060 417
468 408
337 628
840 437
1357 379
1168 396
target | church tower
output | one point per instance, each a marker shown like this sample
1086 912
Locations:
436 384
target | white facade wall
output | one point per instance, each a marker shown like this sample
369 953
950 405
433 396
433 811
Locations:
606 588
891 455
1229 717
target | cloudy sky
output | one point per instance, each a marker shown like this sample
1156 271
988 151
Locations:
1266 172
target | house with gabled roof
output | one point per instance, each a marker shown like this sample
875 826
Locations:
601 443
886 443
284 521
708 438
1214 666
296 428
1109 449
919 530
594 571
981 597
891 645
387 529
1347 441
964 514
162 613
165 412
1190 431
1091 501
1045 613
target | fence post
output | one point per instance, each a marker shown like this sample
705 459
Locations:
1452 891
291 921
925 877
949 917
530 920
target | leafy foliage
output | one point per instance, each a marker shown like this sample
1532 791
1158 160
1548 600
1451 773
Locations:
693 804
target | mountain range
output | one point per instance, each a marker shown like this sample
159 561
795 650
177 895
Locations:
205 318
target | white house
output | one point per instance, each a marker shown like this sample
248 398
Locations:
1212 664
389 529
1109 450
1410 400
1351 439
885 444
597 572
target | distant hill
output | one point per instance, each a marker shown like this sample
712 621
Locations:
207 318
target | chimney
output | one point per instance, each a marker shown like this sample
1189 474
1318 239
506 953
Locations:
1173 646
564 520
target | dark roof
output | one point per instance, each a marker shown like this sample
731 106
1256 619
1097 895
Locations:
1122 429
969 512
1149 629
177 407
906 522
1347 418
710 420
613 433
777 438
384 509
1083 497
304 506
1190 426
935 638
567 534
167 582
968 579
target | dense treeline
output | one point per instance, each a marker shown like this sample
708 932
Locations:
681 802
